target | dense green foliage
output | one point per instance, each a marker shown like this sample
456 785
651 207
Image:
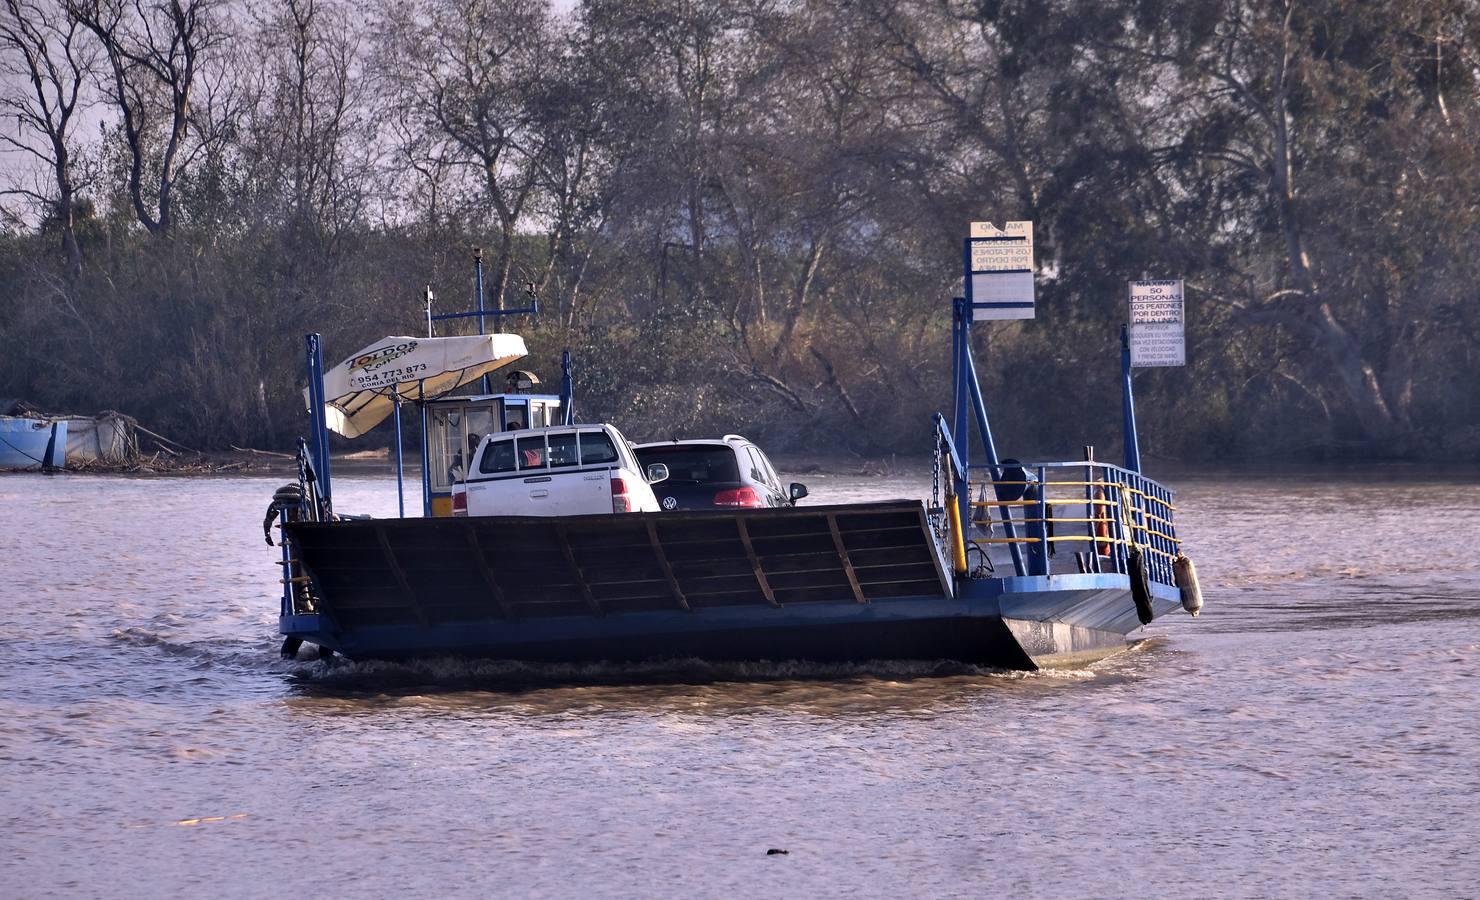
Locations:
745 215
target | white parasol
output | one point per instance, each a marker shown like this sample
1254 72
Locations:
358 392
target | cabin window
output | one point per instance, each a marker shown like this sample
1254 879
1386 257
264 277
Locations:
563 450
479 424
498 458
531 452
597 448
444 437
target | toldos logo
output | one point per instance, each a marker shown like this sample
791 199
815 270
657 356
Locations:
373 360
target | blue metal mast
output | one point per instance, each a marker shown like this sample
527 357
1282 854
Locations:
400 464
567 390
1128 404
478 292
315 354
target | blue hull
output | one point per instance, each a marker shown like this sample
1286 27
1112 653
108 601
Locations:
829 584
1016 623
32 443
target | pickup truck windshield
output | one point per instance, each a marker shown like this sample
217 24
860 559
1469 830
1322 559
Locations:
690 464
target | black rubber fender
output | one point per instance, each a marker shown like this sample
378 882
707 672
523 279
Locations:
1135 565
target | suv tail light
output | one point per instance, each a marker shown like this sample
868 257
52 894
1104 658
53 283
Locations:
620 501
741 496
459 502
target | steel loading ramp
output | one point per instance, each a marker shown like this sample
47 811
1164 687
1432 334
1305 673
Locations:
447 570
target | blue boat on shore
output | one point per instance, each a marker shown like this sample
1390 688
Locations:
27 443
1011 564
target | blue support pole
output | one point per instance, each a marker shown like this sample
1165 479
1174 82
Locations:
962 345
426 471
400 465
1128 404
320 426
567 390
478 280
962 430
956 380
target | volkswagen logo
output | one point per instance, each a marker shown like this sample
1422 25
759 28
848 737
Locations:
670 503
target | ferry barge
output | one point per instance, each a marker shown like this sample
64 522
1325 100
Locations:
1010 564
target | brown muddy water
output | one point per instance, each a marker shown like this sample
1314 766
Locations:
1316 733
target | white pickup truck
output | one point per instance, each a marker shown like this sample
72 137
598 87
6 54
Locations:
569 470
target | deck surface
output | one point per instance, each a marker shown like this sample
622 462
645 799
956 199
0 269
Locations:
438 571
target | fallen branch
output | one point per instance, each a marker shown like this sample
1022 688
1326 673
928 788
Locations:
261 452
160 437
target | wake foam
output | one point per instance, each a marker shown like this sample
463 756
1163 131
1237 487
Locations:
455 674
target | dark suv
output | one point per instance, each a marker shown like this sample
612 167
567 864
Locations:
705 474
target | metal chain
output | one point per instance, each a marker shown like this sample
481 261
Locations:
937 508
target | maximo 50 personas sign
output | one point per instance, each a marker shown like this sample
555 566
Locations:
1157 319
999 270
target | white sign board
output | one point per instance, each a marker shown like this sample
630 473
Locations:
1000 271
1011 229
998 255
1157 320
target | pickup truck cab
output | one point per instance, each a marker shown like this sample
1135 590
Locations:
569 470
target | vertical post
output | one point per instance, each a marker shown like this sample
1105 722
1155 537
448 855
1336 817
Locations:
316 416
957 382
426 471
962 432
1128 404
478 281
961 337
1041 531
567 390
427 302
400 466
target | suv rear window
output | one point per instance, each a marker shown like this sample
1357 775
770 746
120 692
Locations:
690 464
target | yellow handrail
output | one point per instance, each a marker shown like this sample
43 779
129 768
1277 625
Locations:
1100 484
1073 537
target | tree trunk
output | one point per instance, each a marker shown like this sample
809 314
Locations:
1356 375
504 265
799 301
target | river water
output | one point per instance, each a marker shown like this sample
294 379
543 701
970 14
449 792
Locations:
1314 733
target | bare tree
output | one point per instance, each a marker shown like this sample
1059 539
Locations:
308 127
155 54
467 72
46 64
